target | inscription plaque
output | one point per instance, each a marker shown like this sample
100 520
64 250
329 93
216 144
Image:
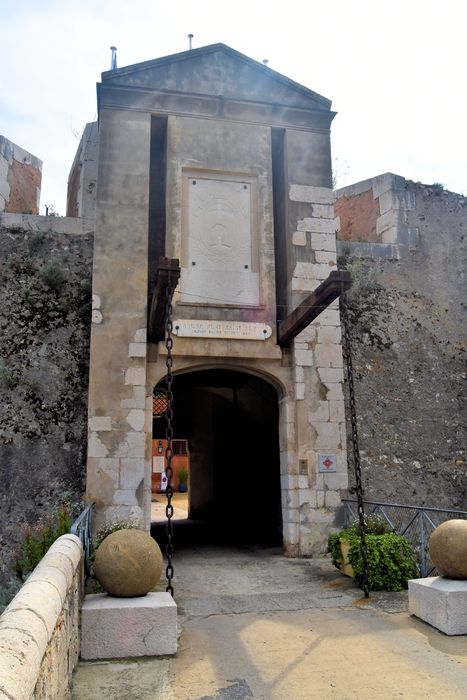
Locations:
221 329
219 260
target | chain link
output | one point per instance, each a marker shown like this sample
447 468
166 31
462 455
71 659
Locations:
347 350
169 511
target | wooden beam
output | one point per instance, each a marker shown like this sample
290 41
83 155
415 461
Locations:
311 307
167 275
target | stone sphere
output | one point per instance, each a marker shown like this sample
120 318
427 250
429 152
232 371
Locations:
128 563
448 549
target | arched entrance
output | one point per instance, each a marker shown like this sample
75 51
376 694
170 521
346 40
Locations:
230 421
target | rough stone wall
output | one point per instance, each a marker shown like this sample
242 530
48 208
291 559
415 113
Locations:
82 180
44 346
20 179
408 314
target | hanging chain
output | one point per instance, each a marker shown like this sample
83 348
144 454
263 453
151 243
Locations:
346 347
169 511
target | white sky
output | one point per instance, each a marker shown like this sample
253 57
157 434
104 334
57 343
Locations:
395 71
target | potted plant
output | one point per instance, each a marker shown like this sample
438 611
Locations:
391 560
182 476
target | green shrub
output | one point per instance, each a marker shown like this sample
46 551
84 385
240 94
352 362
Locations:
391 560
38 540
21 264
36 240
53 276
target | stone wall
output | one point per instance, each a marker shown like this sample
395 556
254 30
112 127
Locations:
82 180
39 630
45 310
409 338
20 179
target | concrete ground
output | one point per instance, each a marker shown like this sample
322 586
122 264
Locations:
159 501
256 625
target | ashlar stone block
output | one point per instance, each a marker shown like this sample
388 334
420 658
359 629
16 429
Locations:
114 628
442 602
309 193
299 238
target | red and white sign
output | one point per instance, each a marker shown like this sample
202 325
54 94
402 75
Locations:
327 463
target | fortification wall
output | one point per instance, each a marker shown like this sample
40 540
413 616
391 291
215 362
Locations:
45 310
20 179
409 338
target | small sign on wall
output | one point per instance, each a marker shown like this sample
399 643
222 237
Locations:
327 463
158 464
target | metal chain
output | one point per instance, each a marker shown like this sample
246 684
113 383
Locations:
347 350
169 511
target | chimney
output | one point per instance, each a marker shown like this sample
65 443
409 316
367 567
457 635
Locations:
190 41
113 59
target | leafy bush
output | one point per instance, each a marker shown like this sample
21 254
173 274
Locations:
38 540
53 276
182 475
391 560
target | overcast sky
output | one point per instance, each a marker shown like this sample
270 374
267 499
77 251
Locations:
395 71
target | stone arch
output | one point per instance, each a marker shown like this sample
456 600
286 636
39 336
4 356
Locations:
230 416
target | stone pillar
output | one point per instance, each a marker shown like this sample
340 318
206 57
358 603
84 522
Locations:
318 371
118 444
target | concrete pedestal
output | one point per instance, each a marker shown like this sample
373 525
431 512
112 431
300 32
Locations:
442 602
113 628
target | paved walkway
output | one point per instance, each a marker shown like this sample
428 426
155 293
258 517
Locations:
256 625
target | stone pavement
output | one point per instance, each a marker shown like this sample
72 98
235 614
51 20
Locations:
256 625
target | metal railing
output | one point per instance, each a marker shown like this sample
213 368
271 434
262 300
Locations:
414 522
82 528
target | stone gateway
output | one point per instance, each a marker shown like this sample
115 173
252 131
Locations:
218 161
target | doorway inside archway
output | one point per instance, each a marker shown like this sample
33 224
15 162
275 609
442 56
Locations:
229 422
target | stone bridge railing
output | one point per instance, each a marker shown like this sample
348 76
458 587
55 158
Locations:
39 630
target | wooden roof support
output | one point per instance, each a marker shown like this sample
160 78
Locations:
316 302
167 275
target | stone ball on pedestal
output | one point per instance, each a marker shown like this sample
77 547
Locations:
128 563
448 549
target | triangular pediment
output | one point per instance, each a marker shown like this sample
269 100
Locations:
217 70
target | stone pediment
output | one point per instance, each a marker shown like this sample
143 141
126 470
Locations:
220 71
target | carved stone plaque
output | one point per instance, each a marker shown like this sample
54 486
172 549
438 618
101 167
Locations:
218 261
221 329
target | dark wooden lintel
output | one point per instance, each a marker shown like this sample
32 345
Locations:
167 275
316 302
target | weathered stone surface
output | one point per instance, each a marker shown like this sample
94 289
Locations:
44 344
39 629
448 549
113 628
441 602
128 563
408 346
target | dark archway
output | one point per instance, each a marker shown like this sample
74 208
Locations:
231 421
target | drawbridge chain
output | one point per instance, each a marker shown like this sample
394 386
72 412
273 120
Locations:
347 350
169 511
